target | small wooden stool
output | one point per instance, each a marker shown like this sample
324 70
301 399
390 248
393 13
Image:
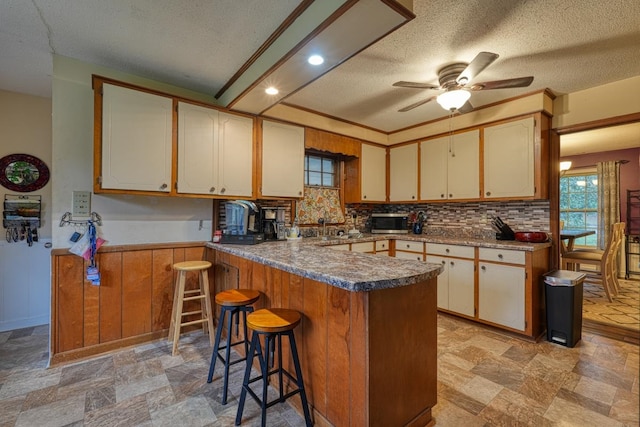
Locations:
181 295
272 323
234 302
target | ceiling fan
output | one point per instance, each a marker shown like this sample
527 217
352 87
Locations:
453 80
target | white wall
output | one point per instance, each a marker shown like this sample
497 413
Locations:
25 127
25 283
126 219
611 100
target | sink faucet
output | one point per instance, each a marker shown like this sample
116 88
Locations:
323 222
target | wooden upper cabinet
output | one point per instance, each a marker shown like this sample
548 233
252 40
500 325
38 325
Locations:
135 131
282 160
450 167
510 159
215 152
403 173
315 139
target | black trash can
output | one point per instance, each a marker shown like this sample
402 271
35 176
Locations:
563 298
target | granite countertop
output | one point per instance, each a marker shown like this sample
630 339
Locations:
352 271
357 271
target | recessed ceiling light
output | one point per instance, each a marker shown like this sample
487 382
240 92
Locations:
271 90
315 60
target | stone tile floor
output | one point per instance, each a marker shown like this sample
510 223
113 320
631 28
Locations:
485 378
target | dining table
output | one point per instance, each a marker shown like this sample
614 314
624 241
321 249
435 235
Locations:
570 236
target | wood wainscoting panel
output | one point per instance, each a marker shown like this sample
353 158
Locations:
338 353
91 308
110 265
132 304
314 336
161 288
69 306
136 293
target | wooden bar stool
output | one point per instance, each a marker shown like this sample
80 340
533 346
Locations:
181 295
272 324
233 302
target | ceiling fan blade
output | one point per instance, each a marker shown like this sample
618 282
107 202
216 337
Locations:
415 85
479 63
415 104
503 84
467 107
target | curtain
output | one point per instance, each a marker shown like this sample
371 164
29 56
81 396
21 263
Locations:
608 199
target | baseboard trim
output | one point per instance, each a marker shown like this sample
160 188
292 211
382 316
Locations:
609 330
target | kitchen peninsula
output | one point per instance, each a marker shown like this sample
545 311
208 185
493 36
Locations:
367 341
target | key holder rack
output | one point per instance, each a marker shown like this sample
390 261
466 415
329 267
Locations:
21 217
67 219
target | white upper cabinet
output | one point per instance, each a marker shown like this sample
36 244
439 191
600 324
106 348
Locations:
197 146
235 154
373 163
450 167
509 159
403 173
282 160
215 152
136 140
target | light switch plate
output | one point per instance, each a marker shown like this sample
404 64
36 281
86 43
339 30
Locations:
81 203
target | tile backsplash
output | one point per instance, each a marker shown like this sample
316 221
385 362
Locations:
467 219
471 219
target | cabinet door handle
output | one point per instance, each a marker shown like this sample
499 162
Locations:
413 197
447 250
299 193
163 186
500 256
222 190
212 189
488 193
364 197
483 268
442 196
408 246
452 263
450 196
443 262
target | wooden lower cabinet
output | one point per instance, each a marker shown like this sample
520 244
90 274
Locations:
132 304
368 358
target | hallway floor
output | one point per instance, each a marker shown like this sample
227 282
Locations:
484 379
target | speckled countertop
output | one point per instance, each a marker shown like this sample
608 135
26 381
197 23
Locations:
355 271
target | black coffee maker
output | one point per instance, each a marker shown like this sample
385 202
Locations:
272 222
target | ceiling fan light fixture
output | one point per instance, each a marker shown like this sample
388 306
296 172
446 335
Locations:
453 99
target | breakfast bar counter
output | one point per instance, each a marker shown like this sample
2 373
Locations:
367 340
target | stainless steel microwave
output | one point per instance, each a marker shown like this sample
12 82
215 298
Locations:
389 223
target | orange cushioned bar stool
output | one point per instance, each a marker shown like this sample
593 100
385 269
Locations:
181 296
232 302
272 324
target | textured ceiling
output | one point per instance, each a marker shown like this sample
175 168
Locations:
567 45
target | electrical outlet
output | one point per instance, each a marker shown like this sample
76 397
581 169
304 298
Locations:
81 203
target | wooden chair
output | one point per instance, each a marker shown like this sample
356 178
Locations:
606 260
